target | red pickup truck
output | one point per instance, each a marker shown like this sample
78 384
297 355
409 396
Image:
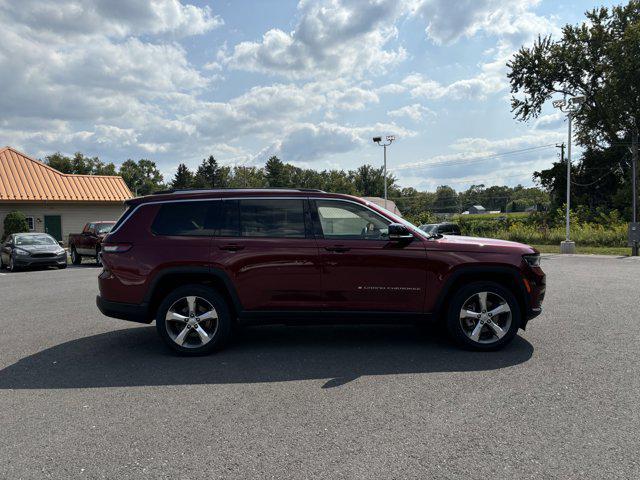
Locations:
89 242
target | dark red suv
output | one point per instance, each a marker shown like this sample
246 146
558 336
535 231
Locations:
202 262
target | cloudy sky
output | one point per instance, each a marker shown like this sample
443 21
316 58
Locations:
310 81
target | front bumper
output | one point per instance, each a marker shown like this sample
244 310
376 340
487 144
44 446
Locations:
24 261
124 311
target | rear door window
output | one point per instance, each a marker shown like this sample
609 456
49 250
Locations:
193 219
273 218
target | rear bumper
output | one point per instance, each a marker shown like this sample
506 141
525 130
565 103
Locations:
124 311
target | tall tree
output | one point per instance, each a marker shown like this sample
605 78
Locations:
183 178
276 173
598 59
369 181
142 177
211 175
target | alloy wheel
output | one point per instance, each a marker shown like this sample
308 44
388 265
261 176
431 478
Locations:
191 322
485 317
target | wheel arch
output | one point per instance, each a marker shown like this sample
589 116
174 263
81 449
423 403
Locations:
505 276
170 278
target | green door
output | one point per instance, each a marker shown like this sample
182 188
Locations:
53 226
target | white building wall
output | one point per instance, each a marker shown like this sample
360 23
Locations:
73 215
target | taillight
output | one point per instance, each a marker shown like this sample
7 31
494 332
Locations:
116 248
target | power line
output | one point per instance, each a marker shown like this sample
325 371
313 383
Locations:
464 161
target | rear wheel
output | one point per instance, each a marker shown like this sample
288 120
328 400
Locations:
75 258
194 320
483 316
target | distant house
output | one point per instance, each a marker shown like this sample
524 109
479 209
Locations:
55 202
391 206
476 210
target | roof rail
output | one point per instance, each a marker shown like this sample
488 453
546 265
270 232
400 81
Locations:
203 190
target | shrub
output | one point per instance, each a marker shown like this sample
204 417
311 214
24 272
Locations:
14 222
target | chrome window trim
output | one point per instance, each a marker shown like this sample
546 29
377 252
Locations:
160 202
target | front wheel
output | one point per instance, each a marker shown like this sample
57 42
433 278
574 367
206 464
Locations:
75 258
483 316
194 320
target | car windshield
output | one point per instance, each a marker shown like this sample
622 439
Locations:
102 228
428 228
34 240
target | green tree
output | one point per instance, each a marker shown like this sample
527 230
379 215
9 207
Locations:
14 222
79 164
247 177
600 60
211 175
183 178
369 181
276 173
446 200
142 177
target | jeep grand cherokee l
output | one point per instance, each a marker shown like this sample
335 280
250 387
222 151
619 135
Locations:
200 262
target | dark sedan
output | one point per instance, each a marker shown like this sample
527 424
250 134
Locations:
32 250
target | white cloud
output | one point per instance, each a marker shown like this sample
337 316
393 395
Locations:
552 121
353 98
116 18
449 21
331 37
474 160
307 142
414 111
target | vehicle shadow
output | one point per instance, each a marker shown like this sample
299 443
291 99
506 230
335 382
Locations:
137 357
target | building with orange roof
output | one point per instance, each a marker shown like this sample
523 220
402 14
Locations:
54 202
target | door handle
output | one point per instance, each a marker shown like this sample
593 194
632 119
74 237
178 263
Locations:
231 247
337 248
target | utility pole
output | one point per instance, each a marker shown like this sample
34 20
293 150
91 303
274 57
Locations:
634 181
568 230
570 107
389 141
561 147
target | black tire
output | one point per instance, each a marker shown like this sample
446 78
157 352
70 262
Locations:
224 322
454 322
76 259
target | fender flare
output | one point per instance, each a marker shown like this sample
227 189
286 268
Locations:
217 273
486 271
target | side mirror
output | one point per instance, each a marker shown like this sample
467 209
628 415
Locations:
61 243
398 232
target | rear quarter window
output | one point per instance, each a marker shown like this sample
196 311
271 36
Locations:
193 219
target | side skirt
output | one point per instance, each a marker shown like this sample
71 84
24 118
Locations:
323 317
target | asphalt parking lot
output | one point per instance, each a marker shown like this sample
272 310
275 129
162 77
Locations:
84 396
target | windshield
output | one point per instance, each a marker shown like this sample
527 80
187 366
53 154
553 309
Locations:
34 240
428 228
103 228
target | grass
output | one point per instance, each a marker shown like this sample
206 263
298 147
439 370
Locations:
620 251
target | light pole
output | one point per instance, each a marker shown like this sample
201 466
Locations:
389 140
570 107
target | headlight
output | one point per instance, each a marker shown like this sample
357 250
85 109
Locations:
21 253
60 251
532 260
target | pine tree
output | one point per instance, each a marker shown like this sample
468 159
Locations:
183 178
